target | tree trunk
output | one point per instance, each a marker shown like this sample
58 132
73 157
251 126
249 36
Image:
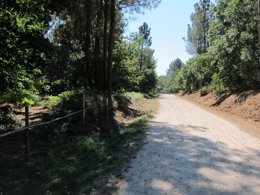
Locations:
87 48
105 60
97 56
105 49
141 58
110 54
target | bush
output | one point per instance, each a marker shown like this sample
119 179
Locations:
52 101
153 93
6 120
56 100
17 97
66 95
204 91
217 86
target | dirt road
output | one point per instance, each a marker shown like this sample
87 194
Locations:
191 151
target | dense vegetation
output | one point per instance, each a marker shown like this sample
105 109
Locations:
223 39
67 159
51 53
56 48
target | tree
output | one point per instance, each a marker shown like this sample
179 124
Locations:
166 83
126 74
148 81
145 41
233 38
174 67
23 48
197 39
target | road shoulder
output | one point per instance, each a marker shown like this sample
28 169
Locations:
247 125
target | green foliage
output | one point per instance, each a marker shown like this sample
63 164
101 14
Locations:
149 82
144 33
20 96
66 95
233 38
167 83
134 63
7 122
197 34
225 40
134 95
53 101
22 49
204 91
63 163
27 102
126 76
217 86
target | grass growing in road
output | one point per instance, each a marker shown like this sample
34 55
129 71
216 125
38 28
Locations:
79 162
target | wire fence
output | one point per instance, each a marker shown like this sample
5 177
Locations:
29 128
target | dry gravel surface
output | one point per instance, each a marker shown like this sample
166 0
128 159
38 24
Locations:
191 151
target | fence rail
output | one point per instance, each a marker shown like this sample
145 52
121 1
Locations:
28 128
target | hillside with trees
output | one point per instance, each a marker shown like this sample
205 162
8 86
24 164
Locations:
223 39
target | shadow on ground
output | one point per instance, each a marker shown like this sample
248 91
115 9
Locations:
176 162
66 158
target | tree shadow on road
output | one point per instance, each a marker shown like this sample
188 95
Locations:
175 161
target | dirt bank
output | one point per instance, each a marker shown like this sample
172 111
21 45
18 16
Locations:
240 109
246 104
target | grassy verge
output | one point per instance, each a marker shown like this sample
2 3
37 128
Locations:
80 163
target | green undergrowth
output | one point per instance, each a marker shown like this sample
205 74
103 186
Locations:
78 161
53 101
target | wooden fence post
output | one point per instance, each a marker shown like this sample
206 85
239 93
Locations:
83 107
27 138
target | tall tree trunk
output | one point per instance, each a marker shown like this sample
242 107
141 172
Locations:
110 54
87 48
97 56
141 57
105 49
105 53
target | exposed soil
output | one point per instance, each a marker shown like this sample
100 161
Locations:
246 104
240 109
36 114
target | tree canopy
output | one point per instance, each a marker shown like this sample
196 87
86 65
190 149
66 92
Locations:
223 38
50 47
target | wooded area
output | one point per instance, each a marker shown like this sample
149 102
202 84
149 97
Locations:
71 63
93 86
59 49
223 39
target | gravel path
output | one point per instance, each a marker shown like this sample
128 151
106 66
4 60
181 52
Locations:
191 151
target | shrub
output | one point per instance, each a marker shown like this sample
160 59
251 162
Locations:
52 101
204 91
217 86
19 96
56 100
6 120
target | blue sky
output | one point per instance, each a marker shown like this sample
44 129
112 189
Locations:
168 23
